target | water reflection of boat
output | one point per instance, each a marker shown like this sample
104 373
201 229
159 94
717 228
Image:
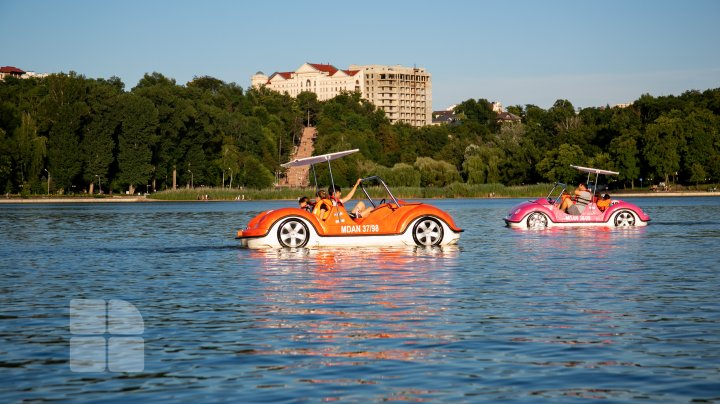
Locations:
356 304
604 242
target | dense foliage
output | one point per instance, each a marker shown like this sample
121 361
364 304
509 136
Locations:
89 132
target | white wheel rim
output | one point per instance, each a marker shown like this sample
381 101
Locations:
625 219
537 220
293 234
428 232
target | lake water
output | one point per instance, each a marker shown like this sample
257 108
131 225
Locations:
527 316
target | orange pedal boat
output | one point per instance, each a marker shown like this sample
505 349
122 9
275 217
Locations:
392 222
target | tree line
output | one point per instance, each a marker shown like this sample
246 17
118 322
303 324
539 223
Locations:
70 133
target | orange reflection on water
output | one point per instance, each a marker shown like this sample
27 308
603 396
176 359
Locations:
370 304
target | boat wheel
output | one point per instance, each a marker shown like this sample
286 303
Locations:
537 220
624 218
428 232
293 233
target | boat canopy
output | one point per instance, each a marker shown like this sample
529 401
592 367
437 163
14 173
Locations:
318 159
590 170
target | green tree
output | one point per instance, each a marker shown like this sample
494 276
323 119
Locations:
30 149
99 132
403 175
624 154
662 142
64 154
563 119
701 132
436 173
6 164
137 134
309 106
253 174
475 169
176 114
97 148
482 164
520 155
229 160
697 173
556 164
478 112
63 110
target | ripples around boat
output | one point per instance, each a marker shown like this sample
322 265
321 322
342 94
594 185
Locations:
508 315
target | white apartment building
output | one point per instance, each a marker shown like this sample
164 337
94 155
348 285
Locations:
404 93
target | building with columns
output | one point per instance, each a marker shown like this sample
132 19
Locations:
326 81
404 93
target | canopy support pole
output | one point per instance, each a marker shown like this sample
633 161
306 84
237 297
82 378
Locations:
332 181
315 176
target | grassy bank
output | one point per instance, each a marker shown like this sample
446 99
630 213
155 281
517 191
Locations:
456 190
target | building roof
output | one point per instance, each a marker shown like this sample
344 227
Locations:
11 70
508 117
284 75
444 117
330 69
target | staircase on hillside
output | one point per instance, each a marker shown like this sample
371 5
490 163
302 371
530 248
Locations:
298 176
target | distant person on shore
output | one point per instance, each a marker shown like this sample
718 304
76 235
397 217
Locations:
584 197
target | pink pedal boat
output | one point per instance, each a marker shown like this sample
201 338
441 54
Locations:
544 212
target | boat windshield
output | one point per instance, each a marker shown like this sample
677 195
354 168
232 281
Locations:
376 186
555 194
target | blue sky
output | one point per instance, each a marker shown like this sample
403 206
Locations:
592 53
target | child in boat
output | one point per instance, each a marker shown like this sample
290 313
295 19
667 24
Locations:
322 205
604 202
305 203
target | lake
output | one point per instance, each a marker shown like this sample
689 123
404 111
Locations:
512 315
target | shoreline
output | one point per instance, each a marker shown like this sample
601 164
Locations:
662 193
141 199
79 199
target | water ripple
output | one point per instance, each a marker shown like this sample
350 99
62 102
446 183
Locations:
557 315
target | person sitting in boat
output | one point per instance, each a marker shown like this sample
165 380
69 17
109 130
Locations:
359 211
305 203
603 202
583 196
565 198
322 205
